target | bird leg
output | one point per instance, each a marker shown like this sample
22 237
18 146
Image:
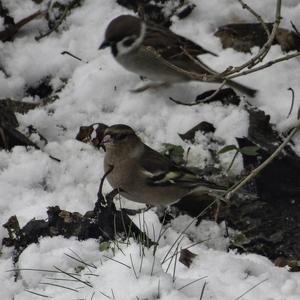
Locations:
109 198
101 200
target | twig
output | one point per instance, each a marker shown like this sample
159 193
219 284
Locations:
104 295
202 291
214 76
232 161
188 226
58 23
256 171
158 289
60 286
265 48
91 265
72 55
69 274
256 285
202 100
187 156
186 248
78 260
40 270
194 281
113 294
175 253
37 294
264 66
195 76
209 75
142 259
61 279
93 294
293 100
133 267
122 219
119 262
152 267
296 29
256 15
175 263
112 240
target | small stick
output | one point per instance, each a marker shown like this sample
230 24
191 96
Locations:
187 227
203 100
37 294
63 16
265 48
69 274
60 286
119 262
295 28
251 289
79 260
91 265
72 55
293 100
256 15
175 263
40 270
133 267
266 65
202 291
194 281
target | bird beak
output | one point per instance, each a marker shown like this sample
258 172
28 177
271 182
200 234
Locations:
104 45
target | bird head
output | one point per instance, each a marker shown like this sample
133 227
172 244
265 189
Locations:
119 137
124 34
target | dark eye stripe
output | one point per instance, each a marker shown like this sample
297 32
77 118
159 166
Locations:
120 136
128 42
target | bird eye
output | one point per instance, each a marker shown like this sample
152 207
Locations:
120 136
128 41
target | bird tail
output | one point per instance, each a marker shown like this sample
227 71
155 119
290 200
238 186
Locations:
199 200
242 88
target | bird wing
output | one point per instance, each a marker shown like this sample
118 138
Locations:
170 44
153 162
161 171
176 50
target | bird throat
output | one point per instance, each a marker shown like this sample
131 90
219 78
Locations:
114 50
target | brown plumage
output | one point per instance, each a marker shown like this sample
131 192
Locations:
144 175
158 54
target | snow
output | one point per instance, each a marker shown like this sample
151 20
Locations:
98 91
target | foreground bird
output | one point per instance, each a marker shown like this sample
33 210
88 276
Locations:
144 175
157 53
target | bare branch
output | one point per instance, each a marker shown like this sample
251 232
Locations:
266 65
233 72
256 15
295 28
202 100
265 48
256 171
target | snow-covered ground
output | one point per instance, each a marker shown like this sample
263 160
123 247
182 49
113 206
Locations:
98 91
